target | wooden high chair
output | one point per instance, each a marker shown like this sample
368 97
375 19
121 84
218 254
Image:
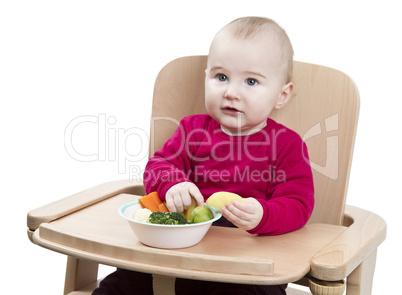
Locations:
338 242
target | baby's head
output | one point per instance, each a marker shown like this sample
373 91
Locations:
248 74
260 28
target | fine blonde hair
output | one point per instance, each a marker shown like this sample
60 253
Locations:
246 28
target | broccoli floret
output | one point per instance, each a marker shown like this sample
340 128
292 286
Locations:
167 218
155 216
178 217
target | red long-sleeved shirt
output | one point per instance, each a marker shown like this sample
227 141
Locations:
271 165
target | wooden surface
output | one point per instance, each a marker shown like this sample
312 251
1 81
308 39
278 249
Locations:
86 198
89 289
86 226
79 274
98 233
339 258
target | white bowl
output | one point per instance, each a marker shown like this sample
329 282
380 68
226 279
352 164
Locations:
166 236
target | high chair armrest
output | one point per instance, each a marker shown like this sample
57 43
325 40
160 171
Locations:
365 232
81 200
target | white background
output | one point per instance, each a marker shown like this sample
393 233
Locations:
62 61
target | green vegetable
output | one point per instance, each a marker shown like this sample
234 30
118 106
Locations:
167 218
201 214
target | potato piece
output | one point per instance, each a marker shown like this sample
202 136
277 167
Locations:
220 199
187 212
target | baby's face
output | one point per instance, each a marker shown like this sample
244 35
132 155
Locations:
243 83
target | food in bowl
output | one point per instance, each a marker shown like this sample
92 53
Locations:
187 212
167 218
152 202
166 236
201 214
142 215
198 214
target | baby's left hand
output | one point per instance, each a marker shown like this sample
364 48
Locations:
245 215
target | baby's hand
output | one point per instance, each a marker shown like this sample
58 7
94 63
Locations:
178 197
245 215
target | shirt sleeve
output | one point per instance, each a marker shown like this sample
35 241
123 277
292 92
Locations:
291 193
169 165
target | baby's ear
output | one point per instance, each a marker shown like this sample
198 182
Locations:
284 96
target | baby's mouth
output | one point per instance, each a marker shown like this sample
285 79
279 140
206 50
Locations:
231 110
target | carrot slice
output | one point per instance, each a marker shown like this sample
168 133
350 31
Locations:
141 202
152 202
155 198
162 208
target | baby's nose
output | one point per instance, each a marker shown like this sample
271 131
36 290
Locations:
232 93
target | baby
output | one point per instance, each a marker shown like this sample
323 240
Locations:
236 147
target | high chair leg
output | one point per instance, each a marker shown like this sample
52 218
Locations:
79 273
360 281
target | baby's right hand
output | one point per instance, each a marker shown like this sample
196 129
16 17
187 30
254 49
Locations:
178 197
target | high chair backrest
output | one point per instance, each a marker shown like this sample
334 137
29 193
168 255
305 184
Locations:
323 110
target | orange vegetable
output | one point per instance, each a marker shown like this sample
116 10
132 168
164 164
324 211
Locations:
141 203
152 202
162 208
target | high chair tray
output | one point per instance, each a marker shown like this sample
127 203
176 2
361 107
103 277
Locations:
97 233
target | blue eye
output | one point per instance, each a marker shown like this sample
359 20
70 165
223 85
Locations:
251 82
222 77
